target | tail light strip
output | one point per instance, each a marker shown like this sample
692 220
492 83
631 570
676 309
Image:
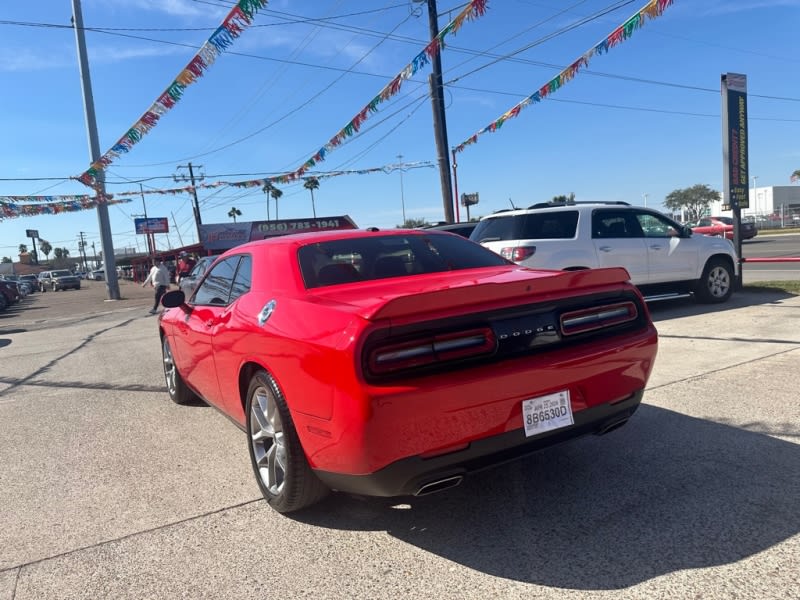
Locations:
591 319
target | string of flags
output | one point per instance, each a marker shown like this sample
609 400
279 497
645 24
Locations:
234 24
652 10
29 206
11 210
473 10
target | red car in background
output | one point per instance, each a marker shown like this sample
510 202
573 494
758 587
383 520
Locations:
395 362
723 226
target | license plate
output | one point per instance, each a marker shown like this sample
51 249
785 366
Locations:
546 413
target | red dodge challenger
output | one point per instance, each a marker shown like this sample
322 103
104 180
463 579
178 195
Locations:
394 362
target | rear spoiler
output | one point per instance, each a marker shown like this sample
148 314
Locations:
485 293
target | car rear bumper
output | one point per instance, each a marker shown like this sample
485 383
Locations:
416 475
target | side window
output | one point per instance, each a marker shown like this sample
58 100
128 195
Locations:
704 223
653 226
609 224
241 283
497 229
216 288
561 224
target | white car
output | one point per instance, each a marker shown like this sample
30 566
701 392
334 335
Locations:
663 258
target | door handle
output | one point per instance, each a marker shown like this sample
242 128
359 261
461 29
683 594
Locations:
655 247
605 248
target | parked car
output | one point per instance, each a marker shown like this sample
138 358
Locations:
58 280
400 372
31 280
189 283
462 229
8 295
662 257
20 289
97 275
723 227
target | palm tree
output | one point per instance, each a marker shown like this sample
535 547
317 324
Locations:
234 212
275 193
58 253
795 176
46 248
23 248
311 184
268 187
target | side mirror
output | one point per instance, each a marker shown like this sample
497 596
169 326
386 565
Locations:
687 231
173 299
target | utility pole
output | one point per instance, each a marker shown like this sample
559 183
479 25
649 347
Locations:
112 284
439 121
82 250
94 255
197 220
402 197
175 225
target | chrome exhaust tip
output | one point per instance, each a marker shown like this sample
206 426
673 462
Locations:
439 485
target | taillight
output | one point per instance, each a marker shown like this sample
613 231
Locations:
590 319
430 350
517 253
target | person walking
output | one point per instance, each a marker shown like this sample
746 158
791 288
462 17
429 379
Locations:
159 279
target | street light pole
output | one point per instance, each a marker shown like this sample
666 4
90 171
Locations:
402 197
645 199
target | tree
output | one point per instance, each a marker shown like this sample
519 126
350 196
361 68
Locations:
795 176
693 201
46 248
413 224
234 212
565 199
58 253
311 184
23 248
6 259
275 193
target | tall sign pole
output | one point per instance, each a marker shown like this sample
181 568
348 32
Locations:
735 143
109 261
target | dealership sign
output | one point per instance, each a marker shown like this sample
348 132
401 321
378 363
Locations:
735 142
152 225
222 236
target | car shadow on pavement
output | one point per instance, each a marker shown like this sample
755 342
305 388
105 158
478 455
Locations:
665 493
685 307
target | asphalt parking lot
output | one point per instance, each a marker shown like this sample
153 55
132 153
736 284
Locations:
109 490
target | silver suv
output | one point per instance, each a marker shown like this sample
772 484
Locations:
58 280
662 257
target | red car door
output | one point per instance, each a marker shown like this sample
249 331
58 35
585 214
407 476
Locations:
194 337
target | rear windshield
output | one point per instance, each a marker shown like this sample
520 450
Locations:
60 274
381 257
553 225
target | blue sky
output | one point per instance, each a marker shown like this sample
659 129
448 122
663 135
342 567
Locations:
643 119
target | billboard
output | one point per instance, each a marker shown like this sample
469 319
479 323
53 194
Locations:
223 236
32 233
152 225
734 142
469 199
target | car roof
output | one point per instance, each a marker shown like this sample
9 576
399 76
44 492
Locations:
303 239
557 206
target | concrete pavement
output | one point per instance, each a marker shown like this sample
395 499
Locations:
109 490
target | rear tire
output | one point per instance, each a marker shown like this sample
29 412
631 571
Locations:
716 284
277 457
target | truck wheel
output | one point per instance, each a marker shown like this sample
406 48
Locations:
716 284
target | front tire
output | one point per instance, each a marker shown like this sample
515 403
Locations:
716 284
277 457
177 389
